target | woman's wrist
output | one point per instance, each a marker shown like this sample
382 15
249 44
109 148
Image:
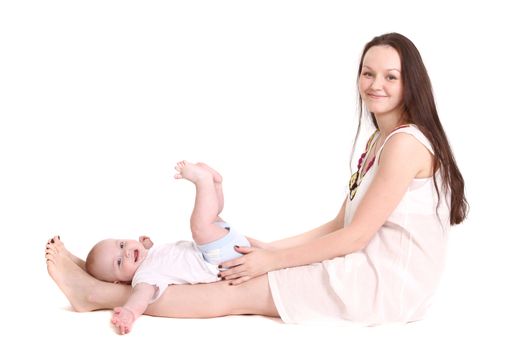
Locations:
269 246
279 259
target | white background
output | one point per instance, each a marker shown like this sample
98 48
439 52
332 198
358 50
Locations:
100 99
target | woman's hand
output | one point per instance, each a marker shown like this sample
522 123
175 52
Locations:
253 263
258 244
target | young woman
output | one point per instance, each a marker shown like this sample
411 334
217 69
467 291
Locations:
379 260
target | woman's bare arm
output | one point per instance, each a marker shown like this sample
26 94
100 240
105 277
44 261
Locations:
402 159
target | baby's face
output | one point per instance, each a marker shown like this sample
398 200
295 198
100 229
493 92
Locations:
118 259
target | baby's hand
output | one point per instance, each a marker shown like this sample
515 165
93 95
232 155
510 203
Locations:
146 242
123 319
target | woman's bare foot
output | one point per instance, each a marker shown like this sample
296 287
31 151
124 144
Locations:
72 280
192 172
56 240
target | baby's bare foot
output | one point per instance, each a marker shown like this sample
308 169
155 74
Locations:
217 178
72 280
192 172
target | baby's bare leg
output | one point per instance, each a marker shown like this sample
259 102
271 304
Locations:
206 209
217 180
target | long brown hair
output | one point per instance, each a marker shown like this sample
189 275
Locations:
420 110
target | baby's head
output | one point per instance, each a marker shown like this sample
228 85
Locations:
117 260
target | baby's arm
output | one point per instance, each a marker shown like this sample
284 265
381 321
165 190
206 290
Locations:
123 317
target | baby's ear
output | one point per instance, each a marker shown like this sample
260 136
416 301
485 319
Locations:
146 242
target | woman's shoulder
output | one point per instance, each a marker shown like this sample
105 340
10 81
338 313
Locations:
410 147
411 135
402 144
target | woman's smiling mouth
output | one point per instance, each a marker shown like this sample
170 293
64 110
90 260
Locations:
374 96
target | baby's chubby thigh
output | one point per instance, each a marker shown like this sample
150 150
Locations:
223 249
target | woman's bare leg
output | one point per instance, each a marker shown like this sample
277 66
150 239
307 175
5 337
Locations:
216 299
75 259
85 293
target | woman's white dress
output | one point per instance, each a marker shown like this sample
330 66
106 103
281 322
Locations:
392 279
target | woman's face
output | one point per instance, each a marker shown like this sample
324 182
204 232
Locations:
380 84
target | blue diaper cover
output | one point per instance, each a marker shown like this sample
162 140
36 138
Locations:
222 250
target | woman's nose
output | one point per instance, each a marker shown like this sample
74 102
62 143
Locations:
376 84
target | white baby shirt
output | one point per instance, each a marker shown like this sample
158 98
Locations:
174 263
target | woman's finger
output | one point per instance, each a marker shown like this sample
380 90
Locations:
238 281
243 250
234 270
232 263
235 276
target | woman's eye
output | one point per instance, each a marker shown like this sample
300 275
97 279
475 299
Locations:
367 74
391 77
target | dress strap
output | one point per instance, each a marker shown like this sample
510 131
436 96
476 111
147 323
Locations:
408 129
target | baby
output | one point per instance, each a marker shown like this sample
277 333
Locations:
151 269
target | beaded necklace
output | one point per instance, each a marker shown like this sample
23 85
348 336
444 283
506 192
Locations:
356 178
